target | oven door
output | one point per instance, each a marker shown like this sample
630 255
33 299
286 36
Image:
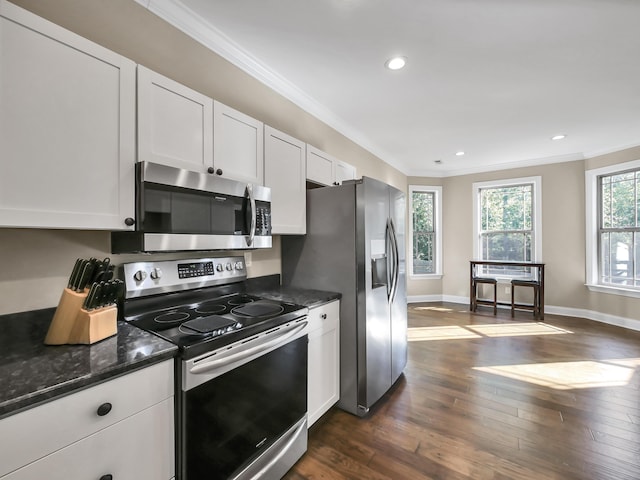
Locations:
243 408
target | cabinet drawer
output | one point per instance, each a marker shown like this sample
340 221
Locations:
324 318
139 447
34 433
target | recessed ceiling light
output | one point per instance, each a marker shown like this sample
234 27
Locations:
396 63
460 153
559 137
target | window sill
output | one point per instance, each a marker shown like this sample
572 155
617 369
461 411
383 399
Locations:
625 292
430 276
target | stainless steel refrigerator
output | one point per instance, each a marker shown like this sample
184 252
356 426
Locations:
355 245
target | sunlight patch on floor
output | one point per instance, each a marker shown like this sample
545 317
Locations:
434 309
456 332
452 332
517 329
570 375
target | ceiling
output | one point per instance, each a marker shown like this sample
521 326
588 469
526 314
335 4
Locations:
493 78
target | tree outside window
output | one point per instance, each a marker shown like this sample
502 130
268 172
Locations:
507 226
619 229
425 231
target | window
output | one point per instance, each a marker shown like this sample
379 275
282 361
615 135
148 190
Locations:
507 223
613 228
425 231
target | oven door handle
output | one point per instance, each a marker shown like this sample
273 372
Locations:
282 339
254 215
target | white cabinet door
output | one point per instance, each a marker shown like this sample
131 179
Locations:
319 166
238 145
284 173
140 447
325 169
324 360
175 123
343 171
67 128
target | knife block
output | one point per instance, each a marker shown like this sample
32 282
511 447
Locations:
91 327
71 324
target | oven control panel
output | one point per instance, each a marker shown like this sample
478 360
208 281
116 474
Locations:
150 278
195 269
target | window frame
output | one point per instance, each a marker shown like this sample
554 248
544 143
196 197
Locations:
536 214
592 211
437 221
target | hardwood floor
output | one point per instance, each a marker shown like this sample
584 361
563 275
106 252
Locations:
486 397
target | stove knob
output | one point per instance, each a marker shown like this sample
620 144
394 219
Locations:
140 275
156 273
239 266
219 267
229 267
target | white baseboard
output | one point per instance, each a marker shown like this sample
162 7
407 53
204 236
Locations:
624 322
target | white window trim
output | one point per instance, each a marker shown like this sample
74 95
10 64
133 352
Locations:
537 213
591 209
437 211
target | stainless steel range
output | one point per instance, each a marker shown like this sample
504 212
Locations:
241 382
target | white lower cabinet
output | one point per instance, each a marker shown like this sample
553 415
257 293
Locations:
324 359
123 427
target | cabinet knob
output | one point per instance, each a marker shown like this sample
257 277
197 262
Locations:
108 476
323 316
104 409
212 170
219 171
129 221
336 183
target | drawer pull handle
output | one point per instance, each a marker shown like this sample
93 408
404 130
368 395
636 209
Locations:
102 411
108 476
324 316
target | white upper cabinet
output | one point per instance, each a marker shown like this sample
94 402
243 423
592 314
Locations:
343 171
284 173
67 128
175 123
238 145
325 169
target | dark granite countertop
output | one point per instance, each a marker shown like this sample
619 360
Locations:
32 373
300 296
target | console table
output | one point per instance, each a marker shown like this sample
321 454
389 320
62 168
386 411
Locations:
536 267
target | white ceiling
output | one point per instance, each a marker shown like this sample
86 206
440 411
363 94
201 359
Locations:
494 78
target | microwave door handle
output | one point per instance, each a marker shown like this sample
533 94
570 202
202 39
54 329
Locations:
252 202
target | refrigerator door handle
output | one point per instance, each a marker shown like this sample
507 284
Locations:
396 260
389 259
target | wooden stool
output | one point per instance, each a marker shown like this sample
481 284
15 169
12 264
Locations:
535 306
475 301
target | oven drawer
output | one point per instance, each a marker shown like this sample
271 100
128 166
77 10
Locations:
30 435
139 447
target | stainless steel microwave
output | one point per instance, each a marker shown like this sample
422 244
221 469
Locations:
182 210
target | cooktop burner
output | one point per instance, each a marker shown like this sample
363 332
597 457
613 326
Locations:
214 323
214 306
171 317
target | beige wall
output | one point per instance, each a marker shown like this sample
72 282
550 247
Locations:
35 264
